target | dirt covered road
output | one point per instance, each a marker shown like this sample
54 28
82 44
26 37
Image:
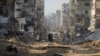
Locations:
49 49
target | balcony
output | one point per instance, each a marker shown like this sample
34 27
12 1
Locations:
30 14
79 15
28 5
17 14
18 1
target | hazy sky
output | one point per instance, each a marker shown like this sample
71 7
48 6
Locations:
52 5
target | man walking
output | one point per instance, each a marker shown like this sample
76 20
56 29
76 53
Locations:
50 37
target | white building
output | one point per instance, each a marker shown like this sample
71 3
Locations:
63 16
18 15
58 13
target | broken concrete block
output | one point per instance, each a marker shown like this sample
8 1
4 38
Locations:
57 55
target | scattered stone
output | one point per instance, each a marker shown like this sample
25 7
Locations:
71 51
59 47
67 51
57 55
42 48
43 40
96 42
12 48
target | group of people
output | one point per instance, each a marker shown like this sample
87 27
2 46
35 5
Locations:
64 37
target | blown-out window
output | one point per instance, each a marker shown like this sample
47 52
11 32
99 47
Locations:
87 4
25 1
18 9
86 12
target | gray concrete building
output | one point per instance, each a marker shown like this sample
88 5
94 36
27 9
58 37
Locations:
30 16
18 14
51 22
64 20
39 18
58 14
7 19
97 11
63 15
81 16
23 15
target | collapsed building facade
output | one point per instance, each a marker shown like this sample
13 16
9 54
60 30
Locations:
32 11
82 17
23 15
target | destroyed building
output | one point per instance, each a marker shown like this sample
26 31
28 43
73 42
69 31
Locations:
82 17
6 13
23 15
97 14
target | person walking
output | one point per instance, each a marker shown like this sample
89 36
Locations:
50 37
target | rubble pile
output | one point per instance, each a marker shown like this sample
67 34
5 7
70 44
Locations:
94 36
92 39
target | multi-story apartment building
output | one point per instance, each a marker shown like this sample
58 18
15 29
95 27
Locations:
22 15
94 23
58 13
71 17
18 14
92 15
97 13
30 15
82 16
6 14
63 17
39 26
63 14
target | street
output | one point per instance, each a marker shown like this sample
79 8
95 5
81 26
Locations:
49 27
50 49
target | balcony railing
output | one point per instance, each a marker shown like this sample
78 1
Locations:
29 4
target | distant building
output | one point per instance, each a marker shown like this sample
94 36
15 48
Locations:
58 14
64 17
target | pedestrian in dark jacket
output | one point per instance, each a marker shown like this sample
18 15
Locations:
50 37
